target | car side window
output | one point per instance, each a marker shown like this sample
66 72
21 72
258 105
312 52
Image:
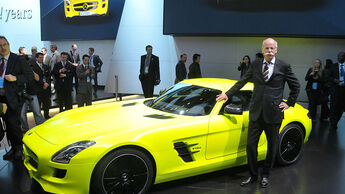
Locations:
241 98
188 100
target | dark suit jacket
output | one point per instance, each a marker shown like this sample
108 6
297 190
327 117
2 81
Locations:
97 62
153 69
44 74
70 57
67 81
194 71
181 72
83 85
17 66
333 73
311 79
267 96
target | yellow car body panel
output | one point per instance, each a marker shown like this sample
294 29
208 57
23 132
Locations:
219 140
75 8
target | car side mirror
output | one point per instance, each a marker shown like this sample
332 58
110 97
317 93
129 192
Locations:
233 109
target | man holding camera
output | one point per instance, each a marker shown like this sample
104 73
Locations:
85 74
30 94
63 73
14 72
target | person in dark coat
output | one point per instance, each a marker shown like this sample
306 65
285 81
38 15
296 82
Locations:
181 71
14 72
314 87
244 65
266 108
336 77
149 72
194 68
63 72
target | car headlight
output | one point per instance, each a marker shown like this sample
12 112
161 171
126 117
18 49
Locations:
68 3
66 153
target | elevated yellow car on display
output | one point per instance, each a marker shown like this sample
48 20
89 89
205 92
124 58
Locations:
75 8
125 147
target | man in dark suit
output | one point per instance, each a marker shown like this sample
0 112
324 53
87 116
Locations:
181 72
96 62
336 77
63 73
266 107
85 74
149 72
74 58
194 68
14 72
43 93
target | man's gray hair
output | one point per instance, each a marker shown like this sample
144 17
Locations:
263 42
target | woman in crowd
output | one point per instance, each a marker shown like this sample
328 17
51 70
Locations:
244 65
314 87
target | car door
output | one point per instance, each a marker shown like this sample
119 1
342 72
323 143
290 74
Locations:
228 132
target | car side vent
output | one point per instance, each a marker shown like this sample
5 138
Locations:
158 116
184 152
129 104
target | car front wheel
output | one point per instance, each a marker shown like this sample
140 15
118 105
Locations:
123 171
290 144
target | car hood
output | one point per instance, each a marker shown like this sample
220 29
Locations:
95 121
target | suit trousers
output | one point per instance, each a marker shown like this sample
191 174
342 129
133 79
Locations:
12 122
337 104
36 110
65 98
84 98
147 86
95 83
255 130
44 99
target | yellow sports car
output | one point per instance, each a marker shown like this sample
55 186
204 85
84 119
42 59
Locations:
85 8
124 147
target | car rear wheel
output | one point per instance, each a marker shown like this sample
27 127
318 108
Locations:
123 171
290 144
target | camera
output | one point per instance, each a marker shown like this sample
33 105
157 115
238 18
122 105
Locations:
25 95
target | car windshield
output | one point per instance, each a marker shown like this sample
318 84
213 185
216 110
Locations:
186 99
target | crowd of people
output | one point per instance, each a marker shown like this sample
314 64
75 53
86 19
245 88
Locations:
325 84
30 80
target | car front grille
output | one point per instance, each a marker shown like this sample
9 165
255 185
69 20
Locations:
32 157
85 6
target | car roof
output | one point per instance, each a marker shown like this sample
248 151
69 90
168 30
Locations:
217 83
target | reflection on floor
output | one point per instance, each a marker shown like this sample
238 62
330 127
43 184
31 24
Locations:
320 170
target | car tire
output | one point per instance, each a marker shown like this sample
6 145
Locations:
123 171
291 141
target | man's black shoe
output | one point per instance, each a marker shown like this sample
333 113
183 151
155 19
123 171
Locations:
9 155
248 181
264 182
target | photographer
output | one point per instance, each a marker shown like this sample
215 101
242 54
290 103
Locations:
244 65
85 74
29 94
63 74
17 73
314 87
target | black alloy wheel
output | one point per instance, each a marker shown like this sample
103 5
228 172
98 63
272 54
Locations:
125 171
290 144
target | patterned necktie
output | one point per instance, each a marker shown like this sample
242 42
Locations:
266 71
342 70
2 66
341 77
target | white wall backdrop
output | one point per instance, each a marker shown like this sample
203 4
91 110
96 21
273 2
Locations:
20 23
141 24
